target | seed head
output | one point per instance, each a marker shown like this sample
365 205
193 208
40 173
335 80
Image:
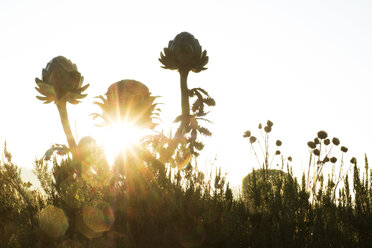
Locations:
316 141
290 158
335 141
333 160
344 149
260 126
326 159
277 152
311 144
353 160
322 134
252 139
247 134
270 123
316 152
278 143
267 129
327 142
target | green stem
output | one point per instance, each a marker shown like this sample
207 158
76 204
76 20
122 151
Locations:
66 125
185 102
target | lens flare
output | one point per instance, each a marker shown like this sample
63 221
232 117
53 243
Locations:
53 221
121 137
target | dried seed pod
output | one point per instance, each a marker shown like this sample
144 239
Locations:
290 158
311 144
270 123
353 160
247 134
333 160
252 139
316 141
316 152
327 142
267 129
322 134
278 142
335 141
344 149
277 152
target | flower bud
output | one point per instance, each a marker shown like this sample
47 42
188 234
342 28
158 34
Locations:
61 82
128 101
184 53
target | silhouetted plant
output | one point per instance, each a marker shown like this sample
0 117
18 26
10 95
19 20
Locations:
321 155
265 162
185 54
128 101
153 197
61 83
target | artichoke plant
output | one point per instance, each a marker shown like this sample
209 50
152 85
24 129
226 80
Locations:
184 54
61 82
128 101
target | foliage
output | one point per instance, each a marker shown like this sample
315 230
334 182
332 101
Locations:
154 195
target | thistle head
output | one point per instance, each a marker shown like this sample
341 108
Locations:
61 82
184 53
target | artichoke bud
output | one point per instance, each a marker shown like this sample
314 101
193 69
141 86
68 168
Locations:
129 101
184 53
61 82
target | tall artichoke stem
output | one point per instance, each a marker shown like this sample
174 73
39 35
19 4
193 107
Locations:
185 102
66 125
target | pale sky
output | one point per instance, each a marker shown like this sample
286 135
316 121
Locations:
305 65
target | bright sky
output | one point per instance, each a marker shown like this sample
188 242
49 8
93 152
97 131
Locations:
305 65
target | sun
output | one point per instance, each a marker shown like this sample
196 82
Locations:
121 137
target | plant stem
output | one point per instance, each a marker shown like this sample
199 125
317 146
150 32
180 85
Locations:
66 125
185 102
